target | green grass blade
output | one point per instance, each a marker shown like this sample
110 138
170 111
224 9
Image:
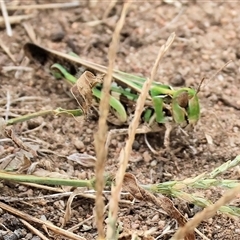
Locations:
115 104
58 69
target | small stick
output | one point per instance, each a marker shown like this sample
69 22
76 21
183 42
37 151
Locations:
8 105
45 187
109 8
33 229
14 68
101 136
125 153
6 18
29 29
47 224
36 198
16 19
6 50
45 6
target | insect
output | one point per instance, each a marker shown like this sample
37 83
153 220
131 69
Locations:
163 104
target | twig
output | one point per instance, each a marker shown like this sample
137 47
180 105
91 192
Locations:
43 124
75 227
7 157
125 153
47 224
109 8
14 68
6 18
6 50
29 29
101 136
45 187
97 22
33 229
45 6
36 198
15 19
8 105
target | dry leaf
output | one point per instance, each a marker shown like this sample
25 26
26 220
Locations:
83 159
130 185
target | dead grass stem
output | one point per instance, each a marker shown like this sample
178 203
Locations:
101 135
15 19
44 6
33 229
40 222
7 51
125 153
208 212
6 18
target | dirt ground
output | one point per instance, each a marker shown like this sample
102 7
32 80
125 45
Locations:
207 36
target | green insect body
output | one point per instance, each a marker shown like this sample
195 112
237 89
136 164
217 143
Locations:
58 70
184 104
162 104
162 95
193 109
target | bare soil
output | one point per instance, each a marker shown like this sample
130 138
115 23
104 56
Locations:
208 35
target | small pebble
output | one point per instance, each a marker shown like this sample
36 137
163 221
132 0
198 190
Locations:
43 217
22 188
136 145
155 218
114 142
237 52
89 131
58 34
81 175
79 144
30 236
57 37
205 57
87 140
237 230
134 225
147 157
153 163
177 80
161 224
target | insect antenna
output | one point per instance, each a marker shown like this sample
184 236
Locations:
212 77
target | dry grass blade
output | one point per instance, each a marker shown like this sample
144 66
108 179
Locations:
101 136
30 31
82 90
15 19
6 69
7 51
47 224
109 8
208 212
68 212
45 6
130 185
9 133
6 18
125 153
33 229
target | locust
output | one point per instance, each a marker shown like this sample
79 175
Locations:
163 104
